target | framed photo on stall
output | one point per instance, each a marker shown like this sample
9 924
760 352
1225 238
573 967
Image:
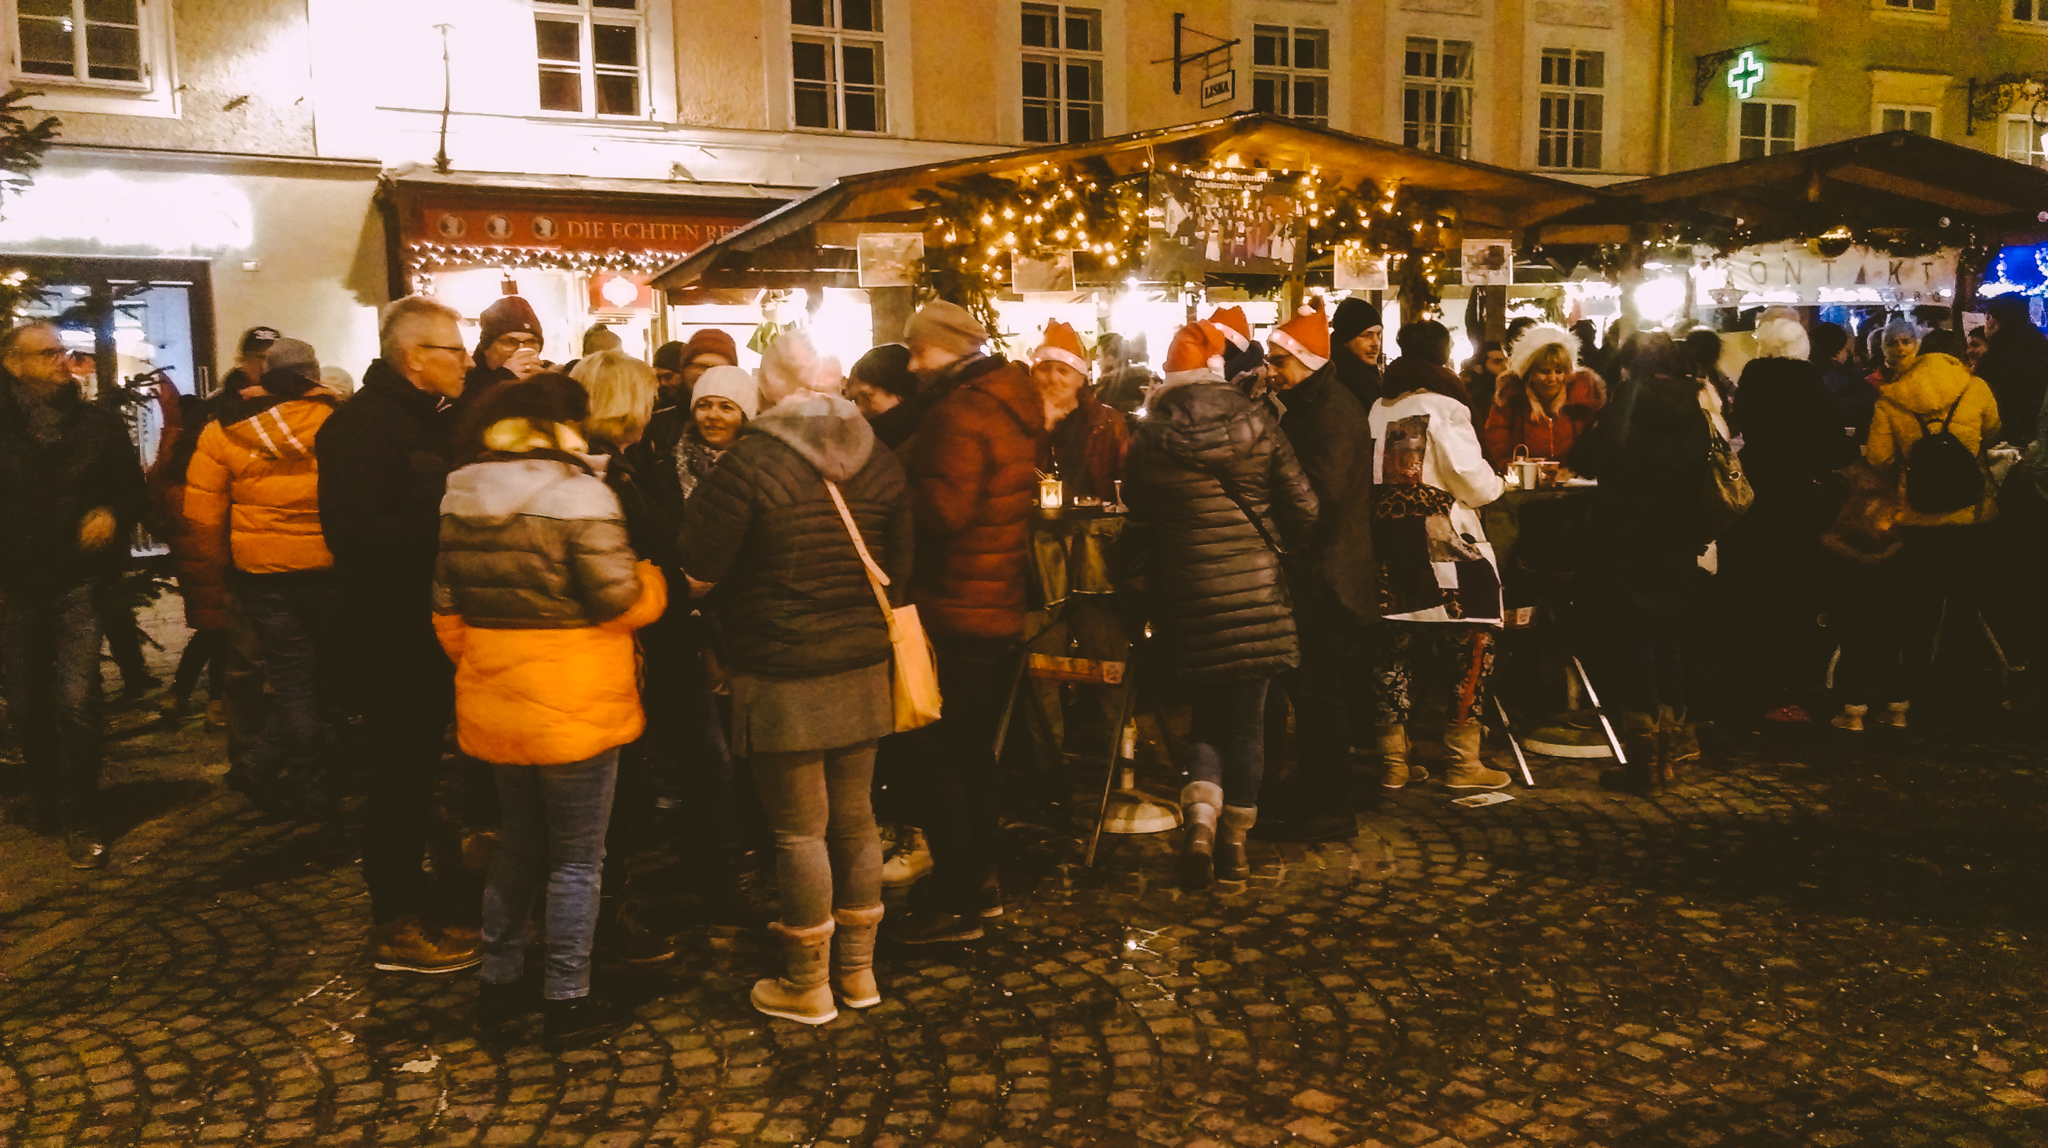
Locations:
891 259
1052 275
1488 262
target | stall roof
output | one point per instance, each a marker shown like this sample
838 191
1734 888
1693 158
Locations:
1892 180
1495 199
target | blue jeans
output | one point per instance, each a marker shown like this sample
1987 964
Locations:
290 615
50 647
554 825
1227 738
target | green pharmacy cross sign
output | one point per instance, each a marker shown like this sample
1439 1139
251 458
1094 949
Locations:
1747 73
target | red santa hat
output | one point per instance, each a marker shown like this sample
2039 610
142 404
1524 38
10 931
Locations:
1233 324
1194 356
1062 344
1306 336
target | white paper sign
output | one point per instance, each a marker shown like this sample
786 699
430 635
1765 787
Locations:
1357 269
891 260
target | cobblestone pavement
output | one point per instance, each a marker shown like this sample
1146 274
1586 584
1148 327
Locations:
1810 942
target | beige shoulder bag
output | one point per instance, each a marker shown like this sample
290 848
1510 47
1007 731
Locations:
915 684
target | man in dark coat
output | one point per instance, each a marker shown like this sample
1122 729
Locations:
2015 366
508 346
384 459
1335 589
1357 338
71 491
973 472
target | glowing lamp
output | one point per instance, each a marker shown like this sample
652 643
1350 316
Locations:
1051 492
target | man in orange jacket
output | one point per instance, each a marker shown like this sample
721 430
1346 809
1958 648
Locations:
252 504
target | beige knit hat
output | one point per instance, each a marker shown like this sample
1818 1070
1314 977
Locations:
946 326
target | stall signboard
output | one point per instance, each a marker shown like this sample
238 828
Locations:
1053 274
572 229
1356 269
616 291
1226 221
890 259
1795 273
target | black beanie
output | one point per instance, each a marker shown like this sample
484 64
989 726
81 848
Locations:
1354 317
888 367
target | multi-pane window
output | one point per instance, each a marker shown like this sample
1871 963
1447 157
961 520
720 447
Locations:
1905 118
1291 72
2030 11
1062 73
1572 108
1436 96
1911 5
835 61
592 56
96 41
1767 127
2024 141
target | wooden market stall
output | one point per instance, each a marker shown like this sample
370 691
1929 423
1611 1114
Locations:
1102 218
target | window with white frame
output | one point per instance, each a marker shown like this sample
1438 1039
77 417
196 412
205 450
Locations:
1766 127
1436 96
1571 110
98 42
2026 141
1062 73
835 58
2030 11
1917 119
1291 72
592 56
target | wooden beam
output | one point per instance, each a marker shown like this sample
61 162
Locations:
1919 189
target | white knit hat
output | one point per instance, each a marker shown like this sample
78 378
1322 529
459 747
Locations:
1782 339
1536 337
735 383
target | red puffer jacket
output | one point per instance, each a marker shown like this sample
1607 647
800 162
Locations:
973 474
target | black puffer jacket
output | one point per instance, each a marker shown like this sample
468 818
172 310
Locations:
48 487
1216 590
793 598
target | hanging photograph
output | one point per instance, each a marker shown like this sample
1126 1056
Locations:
1489 263
1357 269
1226 221
891 260
1052 275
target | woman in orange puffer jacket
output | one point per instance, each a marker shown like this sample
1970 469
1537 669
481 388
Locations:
536 597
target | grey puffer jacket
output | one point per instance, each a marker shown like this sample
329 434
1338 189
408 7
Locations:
793 599
1216 589
533 542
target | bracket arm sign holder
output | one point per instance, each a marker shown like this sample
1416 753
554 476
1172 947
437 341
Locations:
1745 61
1180 57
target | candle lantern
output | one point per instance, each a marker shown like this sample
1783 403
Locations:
1051 492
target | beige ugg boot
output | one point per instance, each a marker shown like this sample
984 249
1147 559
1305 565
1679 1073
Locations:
1231 864
801 993
1895 714
1199 802
1397 771
1469 773
853 956
1851 718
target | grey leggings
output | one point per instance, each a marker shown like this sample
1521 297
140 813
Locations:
817 803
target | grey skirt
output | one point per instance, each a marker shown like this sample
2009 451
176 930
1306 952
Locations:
794 715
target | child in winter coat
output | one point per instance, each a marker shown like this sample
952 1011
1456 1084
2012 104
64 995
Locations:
536 597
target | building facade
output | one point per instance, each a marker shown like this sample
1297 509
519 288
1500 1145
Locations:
297 162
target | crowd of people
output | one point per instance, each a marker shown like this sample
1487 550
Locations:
671 586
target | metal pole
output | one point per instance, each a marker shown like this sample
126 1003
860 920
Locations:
1177 17
447 100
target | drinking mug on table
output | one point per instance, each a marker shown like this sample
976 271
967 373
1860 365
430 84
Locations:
1528 472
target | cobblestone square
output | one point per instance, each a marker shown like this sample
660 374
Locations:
1811 941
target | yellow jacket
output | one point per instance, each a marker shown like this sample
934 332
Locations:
253 487
1927 389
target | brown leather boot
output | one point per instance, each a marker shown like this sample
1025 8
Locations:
1231 863
1199 803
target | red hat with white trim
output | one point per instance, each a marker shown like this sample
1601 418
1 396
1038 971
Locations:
1306 336
1194 356
1062 344
1233 324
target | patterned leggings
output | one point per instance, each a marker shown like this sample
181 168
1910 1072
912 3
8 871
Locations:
1456 655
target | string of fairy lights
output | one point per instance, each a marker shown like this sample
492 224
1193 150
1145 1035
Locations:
976 227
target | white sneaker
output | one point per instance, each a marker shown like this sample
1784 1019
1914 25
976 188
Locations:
907 859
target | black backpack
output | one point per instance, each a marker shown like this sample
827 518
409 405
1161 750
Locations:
1941 473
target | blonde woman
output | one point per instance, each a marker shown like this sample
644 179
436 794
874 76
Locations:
536 597
1546 400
